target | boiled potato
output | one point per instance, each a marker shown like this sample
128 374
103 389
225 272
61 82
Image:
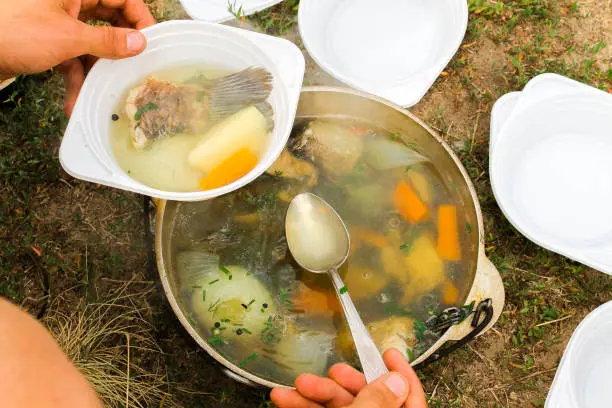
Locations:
394 332
247 128
425 269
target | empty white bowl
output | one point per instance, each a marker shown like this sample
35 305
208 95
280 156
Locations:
218 11
86 152
551 167
585 373
389 48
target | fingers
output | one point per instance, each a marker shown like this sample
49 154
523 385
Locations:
395 361
283 398
135 12
389 391
74 76
323 391
109 42
347 377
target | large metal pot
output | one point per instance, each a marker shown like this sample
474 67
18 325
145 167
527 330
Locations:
487 289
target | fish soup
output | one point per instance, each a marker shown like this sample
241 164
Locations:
241 289
191 129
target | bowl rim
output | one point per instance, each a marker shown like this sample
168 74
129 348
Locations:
418 83
121 180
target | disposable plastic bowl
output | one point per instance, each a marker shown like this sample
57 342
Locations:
389 48
585 372
551 171
86 153
218 11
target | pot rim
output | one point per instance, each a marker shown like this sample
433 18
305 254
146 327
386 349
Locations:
472 295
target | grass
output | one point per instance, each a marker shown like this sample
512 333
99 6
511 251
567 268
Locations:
65 239
114 347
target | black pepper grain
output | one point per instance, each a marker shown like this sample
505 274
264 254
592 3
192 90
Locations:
239 332
217 324
265 305
115 117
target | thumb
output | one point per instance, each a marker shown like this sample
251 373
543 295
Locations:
111 42
389 391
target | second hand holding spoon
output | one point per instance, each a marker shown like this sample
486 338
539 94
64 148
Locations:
320 243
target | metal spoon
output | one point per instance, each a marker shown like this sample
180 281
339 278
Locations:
319 241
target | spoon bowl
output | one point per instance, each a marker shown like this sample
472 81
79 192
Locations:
320 243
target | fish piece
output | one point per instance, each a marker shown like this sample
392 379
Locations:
332 146
159 108
290 167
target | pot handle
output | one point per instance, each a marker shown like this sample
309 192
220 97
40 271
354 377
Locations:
488 284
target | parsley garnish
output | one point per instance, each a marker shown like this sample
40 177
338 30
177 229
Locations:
144 109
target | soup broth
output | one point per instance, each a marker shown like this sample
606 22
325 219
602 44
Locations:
164 135
409 259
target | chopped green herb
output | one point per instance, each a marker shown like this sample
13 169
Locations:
248 358
213 306
203 295
225 320
251 302
410 354
468 227
419 330
226 271
216 331
407 169
411 145
237 324
213 281
144 109
284 297
216 341
404 246
197 287
278 173
129 172
247 331
272 331
343 290
262 310
396 136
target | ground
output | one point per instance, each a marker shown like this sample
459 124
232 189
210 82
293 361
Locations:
62 239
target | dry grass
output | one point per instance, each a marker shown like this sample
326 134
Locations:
112 344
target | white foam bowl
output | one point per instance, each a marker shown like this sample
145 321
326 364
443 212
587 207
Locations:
551 167
389 48
86 152
217 11
585 373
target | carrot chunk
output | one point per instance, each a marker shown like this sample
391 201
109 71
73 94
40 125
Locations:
231 169
448 235
408 203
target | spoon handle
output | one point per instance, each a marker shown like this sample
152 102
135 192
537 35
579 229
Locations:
371 359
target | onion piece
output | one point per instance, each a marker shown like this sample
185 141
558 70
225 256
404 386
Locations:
384 154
